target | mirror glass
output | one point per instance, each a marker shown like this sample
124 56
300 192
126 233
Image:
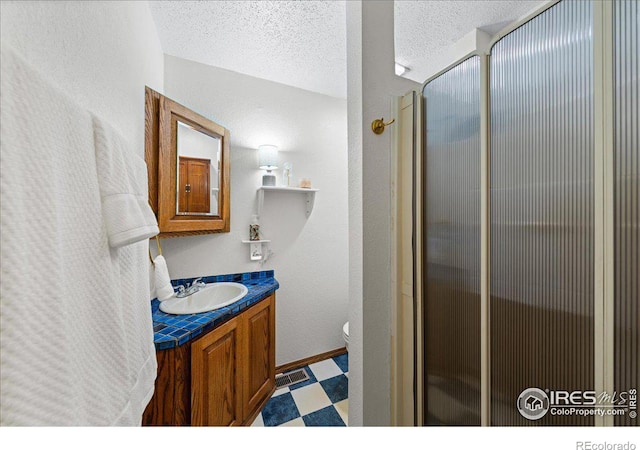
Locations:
198 172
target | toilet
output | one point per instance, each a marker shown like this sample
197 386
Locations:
345 335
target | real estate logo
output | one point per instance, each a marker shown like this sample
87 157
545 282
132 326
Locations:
533 403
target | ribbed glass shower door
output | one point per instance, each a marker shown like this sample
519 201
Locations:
542 200
555 310
452 246
626 98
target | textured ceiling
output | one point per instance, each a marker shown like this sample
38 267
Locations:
298 43
425 31
303 43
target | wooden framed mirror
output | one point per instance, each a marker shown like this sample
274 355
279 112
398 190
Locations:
188 164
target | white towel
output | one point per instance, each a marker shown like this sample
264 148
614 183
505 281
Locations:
162 280
76 335
122 176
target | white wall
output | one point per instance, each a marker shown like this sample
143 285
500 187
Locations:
102 53
310 254
355 127
371 23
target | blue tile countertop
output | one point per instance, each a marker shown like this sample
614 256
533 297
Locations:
171 330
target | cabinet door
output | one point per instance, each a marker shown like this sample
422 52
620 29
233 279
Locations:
260 368
216 390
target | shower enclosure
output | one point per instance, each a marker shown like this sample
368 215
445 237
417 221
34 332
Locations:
531 242
452 236
626 198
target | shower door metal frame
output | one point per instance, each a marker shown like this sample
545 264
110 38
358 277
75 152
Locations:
418 293
485 243
603 206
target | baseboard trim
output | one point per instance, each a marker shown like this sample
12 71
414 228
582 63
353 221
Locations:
310 360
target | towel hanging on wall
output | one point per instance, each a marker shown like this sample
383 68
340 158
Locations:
122 177
85 356
162 280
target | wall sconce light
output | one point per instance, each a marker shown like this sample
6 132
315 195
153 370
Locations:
268 155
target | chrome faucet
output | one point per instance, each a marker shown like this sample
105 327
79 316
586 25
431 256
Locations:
195 286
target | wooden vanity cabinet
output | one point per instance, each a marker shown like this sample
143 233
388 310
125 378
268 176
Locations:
231 373
216 377
260 369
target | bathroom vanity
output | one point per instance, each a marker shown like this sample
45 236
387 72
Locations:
216 368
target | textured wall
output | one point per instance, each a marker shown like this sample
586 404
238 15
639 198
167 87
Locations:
379 87
354 117
310 254
370 194
101 53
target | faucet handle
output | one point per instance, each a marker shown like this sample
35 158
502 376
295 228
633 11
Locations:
197 282
181 289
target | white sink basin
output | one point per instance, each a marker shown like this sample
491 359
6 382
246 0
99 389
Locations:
210 297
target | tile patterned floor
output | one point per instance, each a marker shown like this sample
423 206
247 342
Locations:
321 401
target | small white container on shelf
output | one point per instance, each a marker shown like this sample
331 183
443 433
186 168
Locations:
287 174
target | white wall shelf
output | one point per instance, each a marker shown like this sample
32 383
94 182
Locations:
310 193
258 250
